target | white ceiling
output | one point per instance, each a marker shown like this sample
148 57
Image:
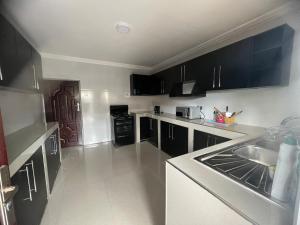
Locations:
160 28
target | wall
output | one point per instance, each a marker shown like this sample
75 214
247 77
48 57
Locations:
264 106
101 86
20 109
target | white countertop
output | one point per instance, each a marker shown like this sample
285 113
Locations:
253 206
22 144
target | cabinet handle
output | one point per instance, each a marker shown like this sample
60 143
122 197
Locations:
220 69
55 149
1 75
36 84
33 174
150 124
207 141
78 106
28 182
172 132
181 73
214 76
215 140
184 73
169 131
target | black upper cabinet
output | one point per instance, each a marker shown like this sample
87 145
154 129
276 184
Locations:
7 52
272 52
141 85
258 61
20 64
233 67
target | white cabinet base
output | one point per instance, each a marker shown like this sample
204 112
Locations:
187 203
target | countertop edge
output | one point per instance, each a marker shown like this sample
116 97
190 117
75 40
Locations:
17 163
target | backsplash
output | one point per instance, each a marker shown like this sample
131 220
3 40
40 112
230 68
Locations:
20 110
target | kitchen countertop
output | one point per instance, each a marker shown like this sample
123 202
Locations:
236 128
23 143
255 207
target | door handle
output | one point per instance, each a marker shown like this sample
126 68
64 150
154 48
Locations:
214 77
220 69
28 182
1 75
33 174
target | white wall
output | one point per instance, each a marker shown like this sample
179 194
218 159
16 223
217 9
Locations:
20 110
264 106
101 86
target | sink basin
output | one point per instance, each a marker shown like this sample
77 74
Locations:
258 154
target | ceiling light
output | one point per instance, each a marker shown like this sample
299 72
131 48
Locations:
122 27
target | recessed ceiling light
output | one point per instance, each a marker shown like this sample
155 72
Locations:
122 27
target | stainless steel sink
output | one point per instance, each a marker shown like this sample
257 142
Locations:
257 154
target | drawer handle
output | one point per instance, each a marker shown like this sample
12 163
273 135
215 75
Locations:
28 182
33 173
1 75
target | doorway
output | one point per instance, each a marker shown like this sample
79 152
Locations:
63 105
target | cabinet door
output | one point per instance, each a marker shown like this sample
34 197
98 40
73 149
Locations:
40 194
165 136
234 65
155 85
23 201
25 71
205 69
144 128
272 52
153 132
53 157
200 140
7 52
180 140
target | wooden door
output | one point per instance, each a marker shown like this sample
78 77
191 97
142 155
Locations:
66 110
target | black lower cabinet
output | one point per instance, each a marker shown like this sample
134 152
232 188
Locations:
31 199
174 139
153 139
53 157
204 140
144 128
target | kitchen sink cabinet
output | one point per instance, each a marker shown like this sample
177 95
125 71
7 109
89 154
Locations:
189 204
174 139
204 140
53 157
31 199
17 59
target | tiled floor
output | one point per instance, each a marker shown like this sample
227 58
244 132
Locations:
104 185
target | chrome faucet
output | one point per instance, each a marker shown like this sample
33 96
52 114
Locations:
286 120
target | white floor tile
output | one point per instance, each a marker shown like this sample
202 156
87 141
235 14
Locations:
105 185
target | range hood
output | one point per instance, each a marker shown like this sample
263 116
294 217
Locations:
187 89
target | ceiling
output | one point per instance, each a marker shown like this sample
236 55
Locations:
160 29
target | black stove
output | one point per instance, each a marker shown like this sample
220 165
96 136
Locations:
122 125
